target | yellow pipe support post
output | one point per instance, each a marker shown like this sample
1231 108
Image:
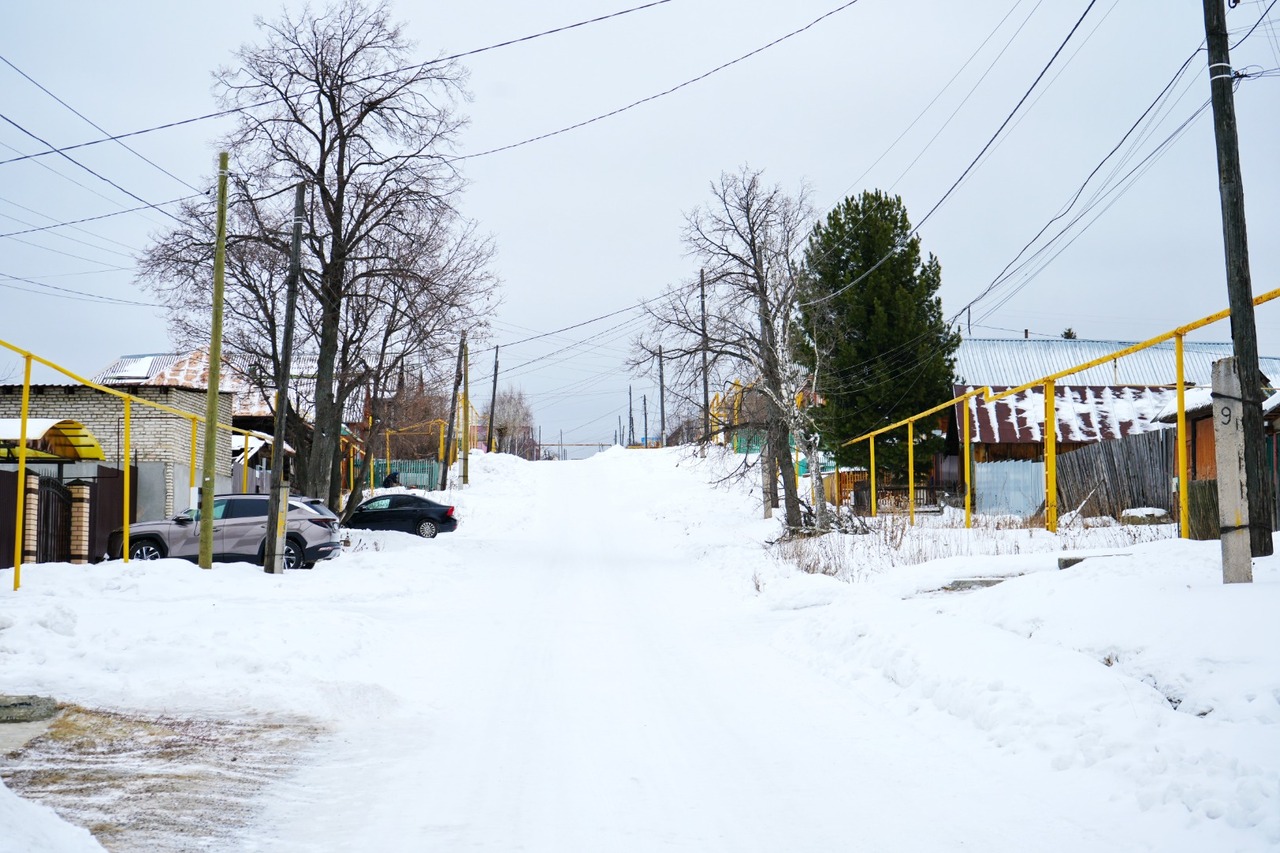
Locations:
1050 458
128 426
968 468
911 472
386 449
22 475
244 466
195 444
872 472
1184 475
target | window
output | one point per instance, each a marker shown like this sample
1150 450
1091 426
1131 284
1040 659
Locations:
243 508
376 504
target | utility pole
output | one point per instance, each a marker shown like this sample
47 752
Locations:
1244 334
662 402
493 402
622 436
644 407
706 382
208 474
453 416
631 419
561 445
466 413
278 506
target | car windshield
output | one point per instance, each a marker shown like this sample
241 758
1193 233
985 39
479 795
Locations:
193 513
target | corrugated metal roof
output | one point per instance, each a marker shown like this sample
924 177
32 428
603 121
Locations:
191 370
1084 413
135 369
1014 361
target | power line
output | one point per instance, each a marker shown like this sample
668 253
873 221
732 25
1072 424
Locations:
661 94
91 171
69 293
95 125
968 168
269 101
73 222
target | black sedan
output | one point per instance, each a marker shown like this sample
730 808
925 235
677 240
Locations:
410 513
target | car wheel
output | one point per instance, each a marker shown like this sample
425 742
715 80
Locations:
426 529
292 554
145 549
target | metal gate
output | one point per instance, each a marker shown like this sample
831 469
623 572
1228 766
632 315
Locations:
53 527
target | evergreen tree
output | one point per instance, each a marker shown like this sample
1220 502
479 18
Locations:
873 330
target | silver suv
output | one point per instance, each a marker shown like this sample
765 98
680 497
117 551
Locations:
239 533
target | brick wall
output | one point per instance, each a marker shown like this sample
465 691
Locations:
155 436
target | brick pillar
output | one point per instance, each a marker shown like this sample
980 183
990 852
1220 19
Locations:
79 522
30 519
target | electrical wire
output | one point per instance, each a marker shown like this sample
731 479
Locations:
100 177
69 293
967 169
661 94
96 126
268 101
74 222
1261 18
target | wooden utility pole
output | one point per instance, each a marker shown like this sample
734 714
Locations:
631 419
278 507
1244 334
493 402
453 416
208 474
662 402
706 382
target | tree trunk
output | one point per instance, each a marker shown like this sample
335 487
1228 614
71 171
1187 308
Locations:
328 421
780 445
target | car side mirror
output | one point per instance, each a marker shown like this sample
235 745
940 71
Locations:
183 519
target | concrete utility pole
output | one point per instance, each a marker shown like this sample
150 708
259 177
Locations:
1244 335
278 506
706 382
208 473
662 403
466 413
493 402
631 419
644 407
453 416
1228 451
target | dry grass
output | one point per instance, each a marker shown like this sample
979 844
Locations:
155 783
891 540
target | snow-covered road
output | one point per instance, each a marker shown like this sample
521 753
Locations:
584 665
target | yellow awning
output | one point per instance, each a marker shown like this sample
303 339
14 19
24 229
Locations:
50 439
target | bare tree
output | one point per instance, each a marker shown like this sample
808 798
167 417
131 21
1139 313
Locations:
329 98
746 238
513 425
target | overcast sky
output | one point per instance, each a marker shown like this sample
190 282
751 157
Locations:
588 222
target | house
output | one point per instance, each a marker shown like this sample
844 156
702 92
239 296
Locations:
1118 398
159 442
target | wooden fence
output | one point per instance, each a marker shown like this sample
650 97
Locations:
1112 476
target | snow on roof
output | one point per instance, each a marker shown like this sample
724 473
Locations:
1013 361
252 397
1085 413
1199 398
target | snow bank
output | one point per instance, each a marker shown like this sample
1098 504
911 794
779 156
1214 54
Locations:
27 827
1143 666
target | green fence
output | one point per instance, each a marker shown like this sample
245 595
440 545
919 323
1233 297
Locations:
414 473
